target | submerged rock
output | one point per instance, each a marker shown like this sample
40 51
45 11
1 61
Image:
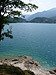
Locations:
27 57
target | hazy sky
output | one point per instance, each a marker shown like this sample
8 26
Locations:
42 4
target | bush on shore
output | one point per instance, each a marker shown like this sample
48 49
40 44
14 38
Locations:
11 70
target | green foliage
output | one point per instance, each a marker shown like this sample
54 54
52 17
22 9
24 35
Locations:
28 72
5 20
7 10
7 7
11 70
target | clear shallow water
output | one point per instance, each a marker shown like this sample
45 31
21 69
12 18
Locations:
32 39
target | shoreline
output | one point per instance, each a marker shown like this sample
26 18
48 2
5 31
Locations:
45 66
26 63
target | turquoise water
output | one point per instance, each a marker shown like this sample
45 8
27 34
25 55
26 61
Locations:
32 39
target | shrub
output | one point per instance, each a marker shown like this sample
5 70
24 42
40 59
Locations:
11 70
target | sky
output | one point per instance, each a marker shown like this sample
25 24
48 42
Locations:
42 4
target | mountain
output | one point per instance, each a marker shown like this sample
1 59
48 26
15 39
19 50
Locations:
53 18
48 14
25 16
43 20
20 20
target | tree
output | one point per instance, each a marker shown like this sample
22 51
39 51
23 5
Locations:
7 10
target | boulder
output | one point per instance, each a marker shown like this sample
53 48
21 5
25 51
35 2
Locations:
36 63
6 59
1 63
25 57
54 69
31 62
21 60
51 72
14 59
16 62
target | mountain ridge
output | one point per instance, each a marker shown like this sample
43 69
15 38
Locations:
43 20
48 14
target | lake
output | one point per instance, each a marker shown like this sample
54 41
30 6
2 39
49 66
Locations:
37 40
